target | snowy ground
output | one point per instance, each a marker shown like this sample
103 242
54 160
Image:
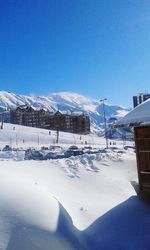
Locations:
21 136
82 202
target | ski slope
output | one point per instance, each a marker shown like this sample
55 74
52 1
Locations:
22 136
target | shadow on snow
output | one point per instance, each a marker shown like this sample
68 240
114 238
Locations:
125 227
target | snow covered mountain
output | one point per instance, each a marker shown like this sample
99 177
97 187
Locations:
65 101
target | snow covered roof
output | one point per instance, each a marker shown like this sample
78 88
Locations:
23 106
68 112
27 106
77 113
139 115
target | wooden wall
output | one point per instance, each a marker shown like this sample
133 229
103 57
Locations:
142 142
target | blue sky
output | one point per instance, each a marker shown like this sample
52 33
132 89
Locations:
98 48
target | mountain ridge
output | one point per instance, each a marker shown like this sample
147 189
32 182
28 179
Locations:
64 101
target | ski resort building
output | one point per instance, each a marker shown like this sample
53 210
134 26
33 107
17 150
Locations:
41 118
139 118
28 116
73 122
140 98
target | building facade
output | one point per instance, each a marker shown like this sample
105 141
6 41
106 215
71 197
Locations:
142 143
62 121
138 99
28 116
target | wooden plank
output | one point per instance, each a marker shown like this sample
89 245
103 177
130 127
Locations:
143 132
144 151
144 172
137 156
146 186
142 143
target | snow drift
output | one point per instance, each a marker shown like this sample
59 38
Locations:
51 205
83 202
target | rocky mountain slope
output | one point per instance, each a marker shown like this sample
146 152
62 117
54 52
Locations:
66 101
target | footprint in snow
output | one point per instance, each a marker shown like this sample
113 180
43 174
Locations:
82 209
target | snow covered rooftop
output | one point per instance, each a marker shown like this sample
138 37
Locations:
68 112
26 106
139 115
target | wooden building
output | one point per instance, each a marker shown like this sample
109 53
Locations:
139 118
142 142
41 118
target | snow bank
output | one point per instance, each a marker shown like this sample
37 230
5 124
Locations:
83 202
45 204
30 217
126 227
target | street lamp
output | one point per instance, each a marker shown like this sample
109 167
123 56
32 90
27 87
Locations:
105 125
3 112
